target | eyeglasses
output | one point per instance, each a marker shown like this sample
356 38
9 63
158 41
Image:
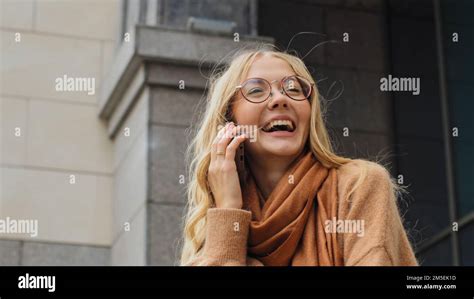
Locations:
258 90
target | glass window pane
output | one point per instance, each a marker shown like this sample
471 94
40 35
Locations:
459 45
438 255
467 245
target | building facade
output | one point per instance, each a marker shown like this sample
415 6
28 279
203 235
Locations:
104 174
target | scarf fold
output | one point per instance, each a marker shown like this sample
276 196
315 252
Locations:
288 227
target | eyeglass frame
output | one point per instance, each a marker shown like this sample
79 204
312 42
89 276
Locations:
281 88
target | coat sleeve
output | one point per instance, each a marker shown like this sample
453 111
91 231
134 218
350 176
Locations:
383 240
226 239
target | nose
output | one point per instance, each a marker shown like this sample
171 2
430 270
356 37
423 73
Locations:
278 98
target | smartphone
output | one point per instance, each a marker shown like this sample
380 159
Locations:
239 155
240 162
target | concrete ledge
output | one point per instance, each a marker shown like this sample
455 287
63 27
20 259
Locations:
32 253
126 101
57 254
169 46
10 252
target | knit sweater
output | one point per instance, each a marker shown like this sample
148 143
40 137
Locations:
383 243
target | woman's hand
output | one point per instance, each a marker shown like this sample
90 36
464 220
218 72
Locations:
222 175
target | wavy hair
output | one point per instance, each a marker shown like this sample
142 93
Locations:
219 99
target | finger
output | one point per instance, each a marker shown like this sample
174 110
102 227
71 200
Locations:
220 133
233 146
224 141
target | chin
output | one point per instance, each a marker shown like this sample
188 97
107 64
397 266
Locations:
285 150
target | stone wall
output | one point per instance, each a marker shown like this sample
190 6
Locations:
59 132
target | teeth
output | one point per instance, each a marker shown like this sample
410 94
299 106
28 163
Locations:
278 122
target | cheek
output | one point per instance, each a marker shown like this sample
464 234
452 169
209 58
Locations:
246 113
304 114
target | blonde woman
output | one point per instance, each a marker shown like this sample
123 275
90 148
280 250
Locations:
286 198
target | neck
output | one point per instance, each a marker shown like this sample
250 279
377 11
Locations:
268 172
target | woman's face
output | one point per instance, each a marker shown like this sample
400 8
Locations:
277 107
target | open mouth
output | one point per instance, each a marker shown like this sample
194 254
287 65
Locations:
279 125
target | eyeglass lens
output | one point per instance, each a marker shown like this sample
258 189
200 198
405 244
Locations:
258 90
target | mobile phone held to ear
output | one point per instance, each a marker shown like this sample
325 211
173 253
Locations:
239 155
240 163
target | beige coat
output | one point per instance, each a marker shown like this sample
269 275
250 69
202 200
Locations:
384 241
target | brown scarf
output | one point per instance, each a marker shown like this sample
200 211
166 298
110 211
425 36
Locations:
288 228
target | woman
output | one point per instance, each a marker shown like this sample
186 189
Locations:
295 202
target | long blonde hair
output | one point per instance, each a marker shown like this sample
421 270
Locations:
219 97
